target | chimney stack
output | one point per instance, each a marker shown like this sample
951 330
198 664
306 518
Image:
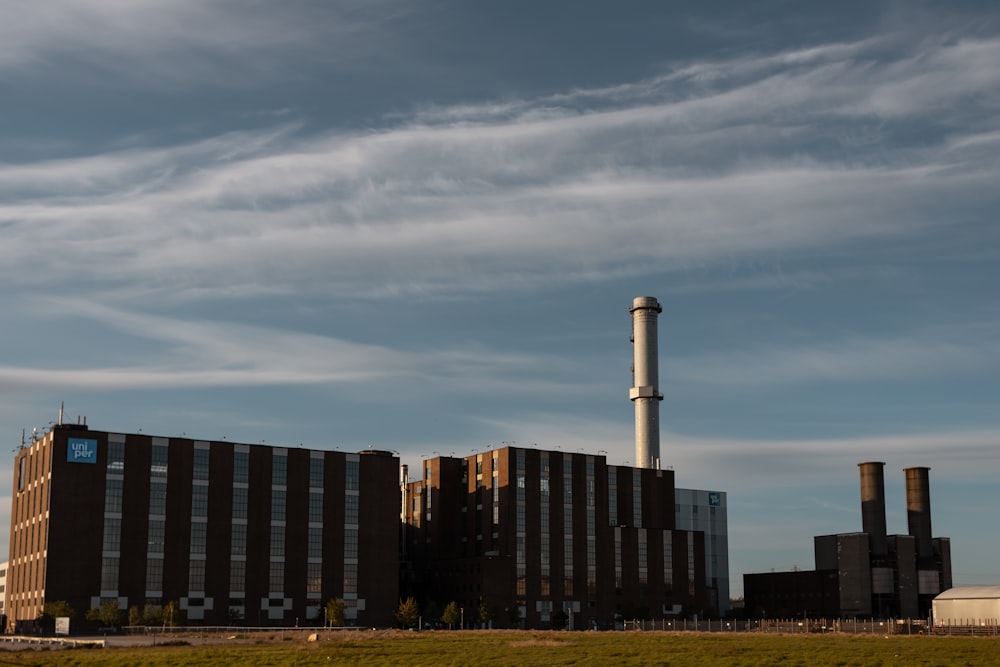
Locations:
873 505
645 393
918 509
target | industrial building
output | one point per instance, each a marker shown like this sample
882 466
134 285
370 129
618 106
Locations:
266 535
965 606
706 512
537 534
100 516
868 573
543 538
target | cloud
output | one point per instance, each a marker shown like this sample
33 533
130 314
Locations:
938 352
182 43
754 466
715 161
182 352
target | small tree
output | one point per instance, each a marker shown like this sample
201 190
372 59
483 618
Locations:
152 614
134 615
514 616
451 615
483 614
170 613
335 613
107 614
407 614
559 618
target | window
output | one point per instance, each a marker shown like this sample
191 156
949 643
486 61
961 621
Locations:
237 575
643 558
199 536
351 543
612 496
350 578
158 465
154 543
157 497
116 458
277 505
315 548
315 507
690 539
351 510
279 470
109 573
276 576
316 473
200 471
199 500
196 575
353 475
238 546
314 578
154 574
241 467
637 502
239 502
277 541
668 562
618 559
112 534
112 496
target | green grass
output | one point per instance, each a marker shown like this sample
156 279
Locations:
542 648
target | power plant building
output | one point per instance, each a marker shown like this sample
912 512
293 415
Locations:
543 535
132 518
267 535
868 573
536 535
706 512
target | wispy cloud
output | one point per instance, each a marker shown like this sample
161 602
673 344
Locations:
938 352
749 465
184 43
487 197
181 352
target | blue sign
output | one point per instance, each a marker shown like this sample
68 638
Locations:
714 499
81 450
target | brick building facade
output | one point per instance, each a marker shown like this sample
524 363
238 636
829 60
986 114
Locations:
227 531
533 535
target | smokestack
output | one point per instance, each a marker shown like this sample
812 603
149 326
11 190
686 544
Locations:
918 509
873 505
645 392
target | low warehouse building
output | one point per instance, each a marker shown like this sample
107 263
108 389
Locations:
967 605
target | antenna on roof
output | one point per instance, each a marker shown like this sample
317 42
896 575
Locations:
62 405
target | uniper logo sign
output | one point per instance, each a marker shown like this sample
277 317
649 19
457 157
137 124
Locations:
81 450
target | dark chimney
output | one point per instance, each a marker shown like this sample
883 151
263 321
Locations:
873 505
918 509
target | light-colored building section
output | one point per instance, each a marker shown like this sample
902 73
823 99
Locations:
706 511
967 605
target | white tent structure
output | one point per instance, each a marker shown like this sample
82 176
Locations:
967 605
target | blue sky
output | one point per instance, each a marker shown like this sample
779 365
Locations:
419 226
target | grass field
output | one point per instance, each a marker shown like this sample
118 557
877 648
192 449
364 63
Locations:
540 648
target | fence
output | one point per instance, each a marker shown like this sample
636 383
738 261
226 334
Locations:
852 626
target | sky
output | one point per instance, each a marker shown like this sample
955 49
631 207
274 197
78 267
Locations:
419 227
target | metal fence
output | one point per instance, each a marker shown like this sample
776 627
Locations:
851 626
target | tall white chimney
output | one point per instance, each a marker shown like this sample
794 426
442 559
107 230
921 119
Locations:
645 392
